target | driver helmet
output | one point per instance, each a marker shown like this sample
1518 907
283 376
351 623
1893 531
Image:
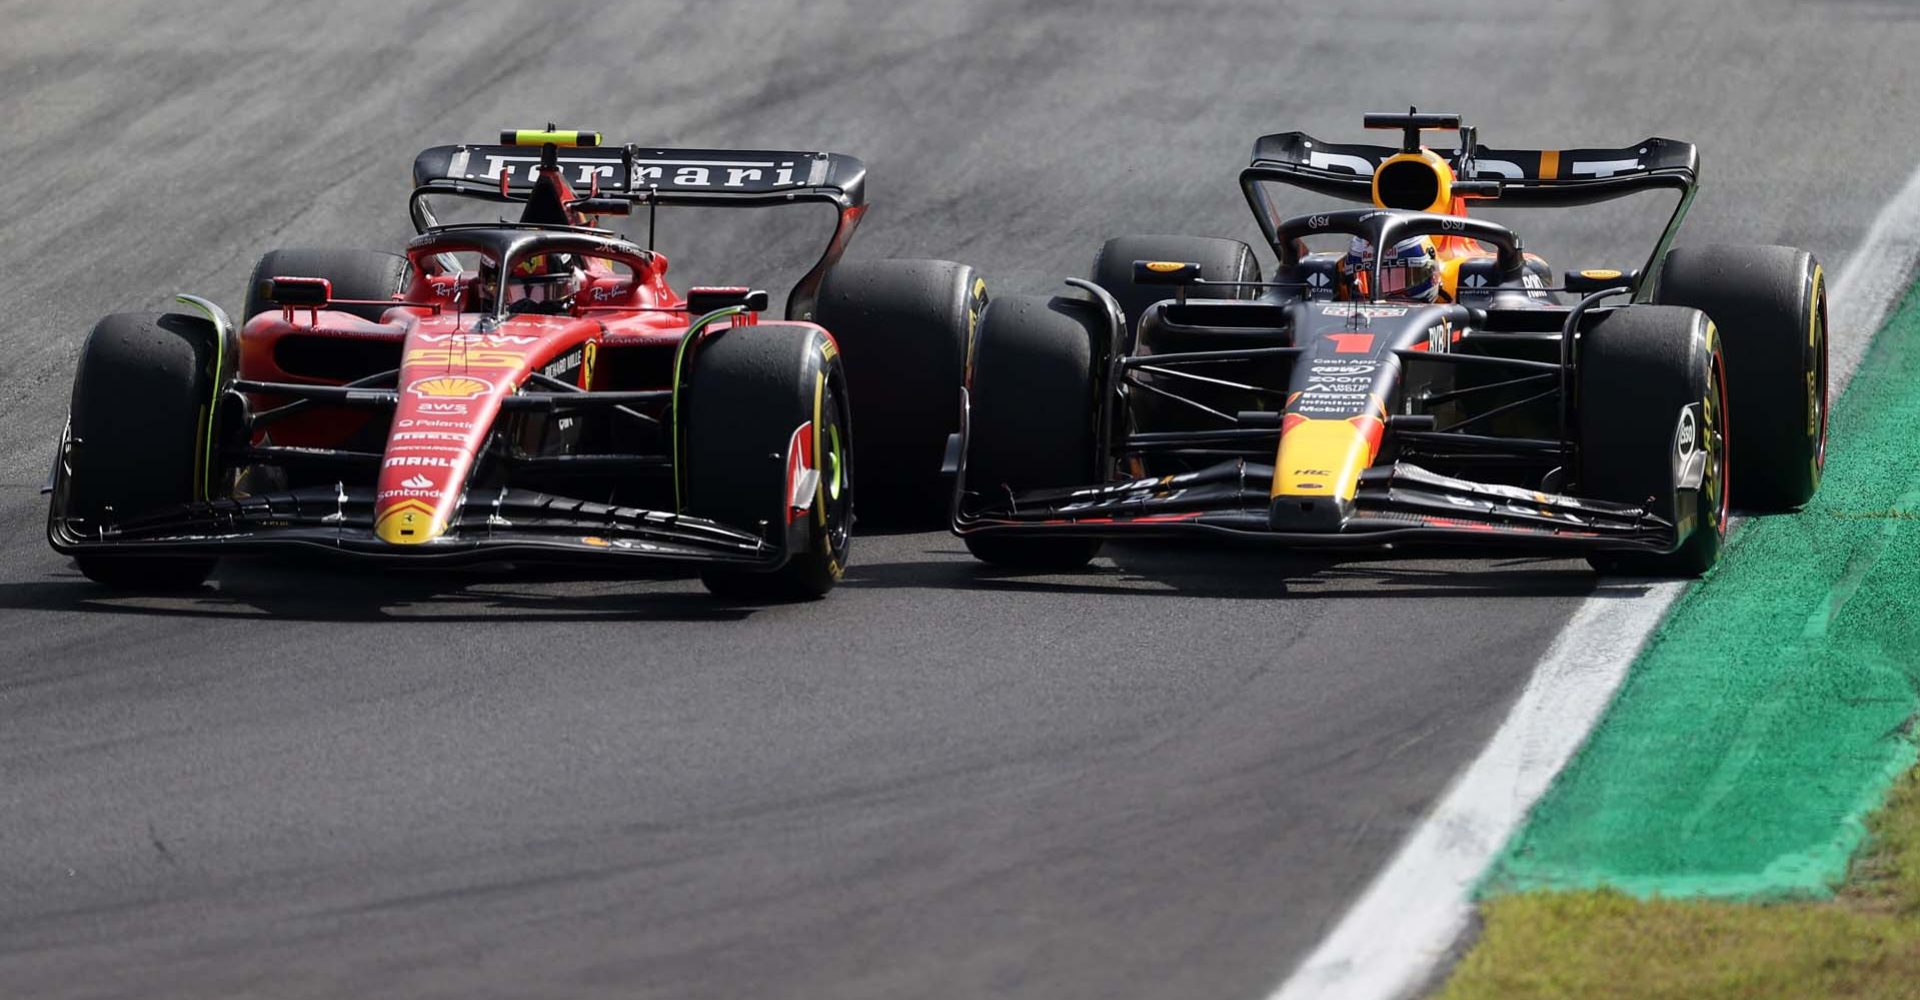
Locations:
545 283
1410 271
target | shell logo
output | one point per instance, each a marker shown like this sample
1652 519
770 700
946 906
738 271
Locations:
449 387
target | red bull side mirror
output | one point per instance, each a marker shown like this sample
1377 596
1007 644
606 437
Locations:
1596 279
1165 272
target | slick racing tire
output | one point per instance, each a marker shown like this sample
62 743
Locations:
355 274
1219 260
1639 369
758 398
905 328
137 438
1031 418
1770 306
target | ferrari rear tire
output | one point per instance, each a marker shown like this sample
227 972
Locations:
753 394
355 274
137 438
1219 260
1770 305
1031 418
905 329
1653 391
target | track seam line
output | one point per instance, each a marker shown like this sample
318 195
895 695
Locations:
1390 942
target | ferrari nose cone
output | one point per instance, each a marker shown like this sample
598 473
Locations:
409 522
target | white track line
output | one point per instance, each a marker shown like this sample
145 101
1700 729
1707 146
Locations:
1395 935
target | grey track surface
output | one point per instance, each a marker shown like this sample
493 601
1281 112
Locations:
1162 778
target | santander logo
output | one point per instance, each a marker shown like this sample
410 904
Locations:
416 482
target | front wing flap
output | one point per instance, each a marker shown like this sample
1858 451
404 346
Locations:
1400 503
512 524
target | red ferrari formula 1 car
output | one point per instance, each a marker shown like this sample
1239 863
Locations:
526 389
1417 379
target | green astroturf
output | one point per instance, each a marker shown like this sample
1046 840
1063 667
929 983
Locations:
1771 710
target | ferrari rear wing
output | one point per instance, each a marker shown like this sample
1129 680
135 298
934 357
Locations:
1526 177
670 176
653 176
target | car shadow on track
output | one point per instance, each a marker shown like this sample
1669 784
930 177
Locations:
1227 571
328 593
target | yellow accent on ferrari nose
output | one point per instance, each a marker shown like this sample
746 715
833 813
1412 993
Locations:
409 522
1321 458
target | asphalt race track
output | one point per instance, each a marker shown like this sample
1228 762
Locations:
1162 778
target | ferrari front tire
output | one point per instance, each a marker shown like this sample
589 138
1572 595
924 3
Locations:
753 392
137 438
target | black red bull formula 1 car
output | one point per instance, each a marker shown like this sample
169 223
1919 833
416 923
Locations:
1619 414
525 389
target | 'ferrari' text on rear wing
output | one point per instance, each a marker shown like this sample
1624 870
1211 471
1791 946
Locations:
683 176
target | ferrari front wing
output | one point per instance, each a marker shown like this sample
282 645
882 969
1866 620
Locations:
512 524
